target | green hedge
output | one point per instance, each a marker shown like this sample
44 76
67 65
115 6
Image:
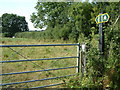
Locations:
56 33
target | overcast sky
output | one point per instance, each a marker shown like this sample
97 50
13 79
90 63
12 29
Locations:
19 7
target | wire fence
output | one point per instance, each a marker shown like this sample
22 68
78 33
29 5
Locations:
18 65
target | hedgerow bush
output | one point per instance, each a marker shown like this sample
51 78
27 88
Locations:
102 71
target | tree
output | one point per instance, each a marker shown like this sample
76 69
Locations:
71 18
11 23
50 14
80 15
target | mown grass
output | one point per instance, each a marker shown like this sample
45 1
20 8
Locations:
35 53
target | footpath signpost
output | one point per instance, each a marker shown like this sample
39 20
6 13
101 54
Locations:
100 19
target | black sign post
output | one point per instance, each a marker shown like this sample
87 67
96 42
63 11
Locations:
101 39
100 19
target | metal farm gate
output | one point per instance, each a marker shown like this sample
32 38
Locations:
9 62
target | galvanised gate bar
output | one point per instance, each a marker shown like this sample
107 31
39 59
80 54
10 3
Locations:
28 60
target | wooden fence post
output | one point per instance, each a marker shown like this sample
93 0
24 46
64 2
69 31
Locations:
83 59
78 59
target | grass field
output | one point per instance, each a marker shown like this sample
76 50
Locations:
35 53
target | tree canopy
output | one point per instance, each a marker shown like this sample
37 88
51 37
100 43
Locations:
11 23
67 20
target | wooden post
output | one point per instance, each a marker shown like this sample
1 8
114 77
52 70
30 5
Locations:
78 59
101 39
81 68
83 59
